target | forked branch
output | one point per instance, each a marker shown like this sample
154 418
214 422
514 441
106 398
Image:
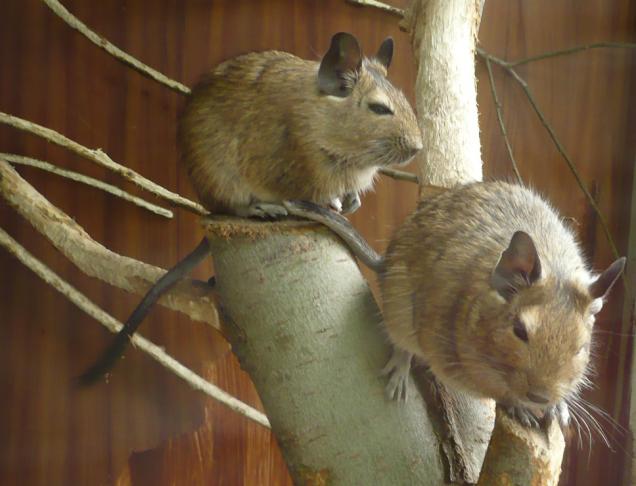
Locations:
89 181
113 325
102 159
191 297
502 126
557 143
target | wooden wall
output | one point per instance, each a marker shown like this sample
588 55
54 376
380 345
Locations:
145 427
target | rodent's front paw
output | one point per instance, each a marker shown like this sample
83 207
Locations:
397 369
561 412
351 203
523 416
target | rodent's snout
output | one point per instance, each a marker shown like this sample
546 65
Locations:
412 151
409 149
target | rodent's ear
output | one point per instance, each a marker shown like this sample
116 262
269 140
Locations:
518 266
603 284
344 55
385 52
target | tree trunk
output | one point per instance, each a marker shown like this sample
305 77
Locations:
443 33
304 325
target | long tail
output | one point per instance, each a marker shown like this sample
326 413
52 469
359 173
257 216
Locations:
116 348
341 226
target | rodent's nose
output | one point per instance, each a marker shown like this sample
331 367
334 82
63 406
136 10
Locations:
413 148
536 398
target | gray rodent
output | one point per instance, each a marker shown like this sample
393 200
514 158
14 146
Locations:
485 284
264 127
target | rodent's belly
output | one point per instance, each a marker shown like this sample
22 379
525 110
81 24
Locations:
304 180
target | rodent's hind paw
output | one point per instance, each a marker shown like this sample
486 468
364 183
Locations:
351 203
264 210
522 415
560 412
397 369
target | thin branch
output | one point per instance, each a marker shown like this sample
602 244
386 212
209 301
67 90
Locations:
113 50
400 175
557 143
502 126
379 5
129 60
571 50
96 155
113 325
191 297
567 159
89 181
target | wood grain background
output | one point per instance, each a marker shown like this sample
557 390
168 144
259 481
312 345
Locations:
147 428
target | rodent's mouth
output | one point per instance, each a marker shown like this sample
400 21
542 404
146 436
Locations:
405 161
538 410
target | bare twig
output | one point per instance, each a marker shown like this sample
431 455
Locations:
571 50
191 297
380 5
113 50
399 175
502 126
113 325
96 155
557 143
89 181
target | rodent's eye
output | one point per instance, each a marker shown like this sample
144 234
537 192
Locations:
380 109
519 329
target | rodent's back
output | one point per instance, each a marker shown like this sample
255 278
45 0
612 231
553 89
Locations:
474 223
235 118
444 254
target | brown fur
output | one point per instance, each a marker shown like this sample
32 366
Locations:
439 303
257 128
485 284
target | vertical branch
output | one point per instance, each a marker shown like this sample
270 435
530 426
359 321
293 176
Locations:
443 34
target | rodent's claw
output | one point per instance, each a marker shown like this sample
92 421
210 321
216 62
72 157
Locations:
560 412
396 388
397 369
265 210
524 416
351 203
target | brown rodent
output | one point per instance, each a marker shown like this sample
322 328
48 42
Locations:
265 127
485 284
268 126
